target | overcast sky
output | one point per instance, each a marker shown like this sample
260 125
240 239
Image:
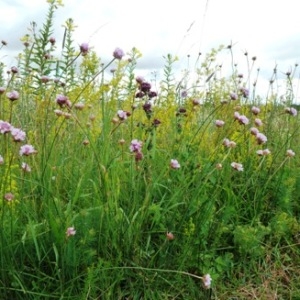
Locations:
267 29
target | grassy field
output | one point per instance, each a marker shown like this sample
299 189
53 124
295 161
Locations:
115 186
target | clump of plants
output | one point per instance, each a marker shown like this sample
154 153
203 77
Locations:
115 186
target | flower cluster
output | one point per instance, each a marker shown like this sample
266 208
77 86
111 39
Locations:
136 148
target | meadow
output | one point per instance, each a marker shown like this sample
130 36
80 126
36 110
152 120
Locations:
115 186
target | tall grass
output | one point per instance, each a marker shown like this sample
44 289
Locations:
120 191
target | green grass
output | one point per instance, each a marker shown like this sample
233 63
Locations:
142 228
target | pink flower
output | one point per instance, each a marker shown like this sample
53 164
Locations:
237 166
233 96
118 53
206 279
263 152
70 231
27 150
255 110
243 120
229 144
9 197
84 49
62 100
170 236
261 138
135 146
258 122
1 160
18 134
5 127
122 114
290 153
25 167
174 164
254 130
13 95
219 123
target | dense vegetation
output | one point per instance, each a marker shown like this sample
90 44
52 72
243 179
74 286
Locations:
115 186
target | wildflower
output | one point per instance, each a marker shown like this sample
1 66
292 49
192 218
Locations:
261 138
152 94
292 111
13 95
244 92
290 153
139 79
27 150
145 87
233 96
219 123
196 102
243 120
135 146
258 122
122 114
255 110
4 43
45 78
85 142
121 142
139 94
84 49
156 122
5 127
25 167
118 53
263 152
58 112
237 166
61 100
70 231
184 94
52 40
2 90
9 197
18 134
14 70
206 279
254 131
219 166
170 236
174 164
1 160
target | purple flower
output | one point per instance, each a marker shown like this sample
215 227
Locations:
122 114
27 150
5 127
1 160
206 279
244 92
145 87
9 197
219 123
290 153
118 53
174 164
243 120
255 110
234 96
2 90
261 138
263 152
292 111
135 146
13 95
25 167
62 100
18 134
14 70
258 122
84 49
254 131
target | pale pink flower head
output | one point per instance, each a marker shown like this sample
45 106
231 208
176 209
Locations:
62 100
219 123
13 95
258 122
263 152
18 134
237 166
206 279
1 160
79 106
261 138
255 110
2 90
25 167
290 153
229 144
70 231
243 120
27 150
5 127
174 164
84 49
254 131
170 236
135 146
118 53
292 111
122 114
233 96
